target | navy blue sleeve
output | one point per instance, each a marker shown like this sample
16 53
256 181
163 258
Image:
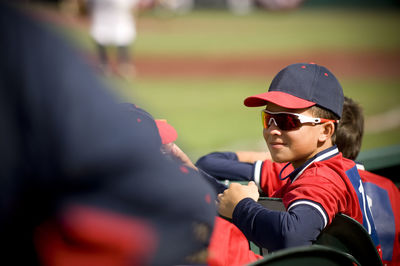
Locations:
276 230
225 165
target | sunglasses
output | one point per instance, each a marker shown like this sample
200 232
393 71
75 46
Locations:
289 121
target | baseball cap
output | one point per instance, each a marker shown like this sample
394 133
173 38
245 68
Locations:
302 85
167 132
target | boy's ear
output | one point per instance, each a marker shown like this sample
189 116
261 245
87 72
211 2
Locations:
327 130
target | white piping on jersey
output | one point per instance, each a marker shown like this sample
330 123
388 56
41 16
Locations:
317 159
312 204
257 173
360 166
362 191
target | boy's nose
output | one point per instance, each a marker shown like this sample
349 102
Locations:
272 127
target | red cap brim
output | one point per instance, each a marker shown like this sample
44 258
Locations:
167 132
279 98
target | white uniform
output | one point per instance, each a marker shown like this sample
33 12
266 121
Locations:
113 22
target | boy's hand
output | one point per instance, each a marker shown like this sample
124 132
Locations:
233 195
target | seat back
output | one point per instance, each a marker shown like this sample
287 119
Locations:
348 235
274 204
314 255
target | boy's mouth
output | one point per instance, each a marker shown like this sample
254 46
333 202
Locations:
276 144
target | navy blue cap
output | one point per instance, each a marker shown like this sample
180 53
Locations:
145 120
166 131
300 86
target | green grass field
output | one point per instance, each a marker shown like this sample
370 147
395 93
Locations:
219 33
208 112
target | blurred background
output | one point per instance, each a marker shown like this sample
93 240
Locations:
194 62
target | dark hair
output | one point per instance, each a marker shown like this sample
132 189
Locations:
321 112
350 129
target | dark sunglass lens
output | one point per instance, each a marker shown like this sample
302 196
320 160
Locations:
288 121
281 120
293 122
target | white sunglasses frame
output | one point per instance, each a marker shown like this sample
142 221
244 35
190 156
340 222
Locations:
303 118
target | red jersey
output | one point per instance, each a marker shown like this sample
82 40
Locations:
384 200
312 184
229 246
328 182
382 195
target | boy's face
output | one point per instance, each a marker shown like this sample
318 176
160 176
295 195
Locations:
295 146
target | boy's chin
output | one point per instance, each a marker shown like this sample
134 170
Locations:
279 159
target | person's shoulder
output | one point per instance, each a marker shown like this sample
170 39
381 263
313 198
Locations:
371 176
378 180
347 162
331 168
322 169
337 163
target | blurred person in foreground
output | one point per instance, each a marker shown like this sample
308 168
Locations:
228 245
165 137
166 134
382 194
77 178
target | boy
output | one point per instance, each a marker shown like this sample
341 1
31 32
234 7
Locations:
383 195
303 106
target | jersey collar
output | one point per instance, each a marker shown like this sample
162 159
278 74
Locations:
360 166
321 156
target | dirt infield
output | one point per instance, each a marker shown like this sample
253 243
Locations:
357 64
